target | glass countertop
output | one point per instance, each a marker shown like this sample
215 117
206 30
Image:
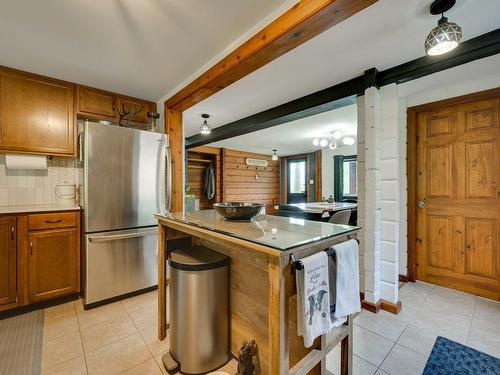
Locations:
281 233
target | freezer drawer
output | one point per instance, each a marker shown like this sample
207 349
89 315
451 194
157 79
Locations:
120 262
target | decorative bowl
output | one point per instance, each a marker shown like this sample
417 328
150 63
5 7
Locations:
238 211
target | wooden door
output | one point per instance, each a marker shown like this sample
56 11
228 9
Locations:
458 196
36 114
53 263
8 260
96 102
142 108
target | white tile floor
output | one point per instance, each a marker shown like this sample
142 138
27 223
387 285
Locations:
120 338
400 344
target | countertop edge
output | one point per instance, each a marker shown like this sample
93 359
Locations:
9 210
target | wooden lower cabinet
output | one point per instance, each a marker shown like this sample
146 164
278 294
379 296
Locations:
53 263
8 260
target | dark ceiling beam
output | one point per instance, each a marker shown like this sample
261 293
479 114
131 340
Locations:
342 94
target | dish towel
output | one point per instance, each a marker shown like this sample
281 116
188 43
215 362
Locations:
313 298
344 282
210 182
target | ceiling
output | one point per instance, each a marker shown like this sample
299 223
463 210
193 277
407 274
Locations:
296 137
141 48
386 34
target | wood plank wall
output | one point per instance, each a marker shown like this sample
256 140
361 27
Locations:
196 167
241 184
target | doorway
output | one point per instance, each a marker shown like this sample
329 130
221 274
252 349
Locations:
454 193
297 180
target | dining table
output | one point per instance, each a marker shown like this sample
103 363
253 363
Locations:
322 207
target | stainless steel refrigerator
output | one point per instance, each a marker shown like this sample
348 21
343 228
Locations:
126 181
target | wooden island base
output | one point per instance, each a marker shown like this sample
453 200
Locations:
262 299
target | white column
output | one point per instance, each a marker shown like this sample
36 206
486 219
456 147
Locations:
369 120
390 175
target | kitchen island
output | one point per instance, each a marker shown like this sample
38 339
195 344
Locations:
262 284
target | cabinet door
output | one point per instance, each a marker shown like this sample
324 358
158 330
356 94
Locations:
128 104
36 114
53 263
96 102
8 255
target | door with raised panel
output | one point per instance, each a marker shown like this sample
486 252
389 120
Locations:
139 107
8 260
96 102
53 262
36 114
458 195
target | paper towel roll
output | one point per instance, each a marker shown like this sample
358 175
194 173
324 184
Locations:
25 161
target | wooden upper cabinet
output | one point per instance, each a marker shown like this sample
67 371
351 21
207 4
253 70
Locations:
126 104
36 114
8 260
96 102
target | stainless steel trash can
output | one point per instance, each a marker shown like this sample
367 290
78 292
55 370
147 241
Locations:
199 309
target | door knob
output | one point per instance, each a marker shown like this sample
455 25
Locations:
421 204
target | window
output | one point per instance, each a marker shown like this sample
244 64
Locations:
345 177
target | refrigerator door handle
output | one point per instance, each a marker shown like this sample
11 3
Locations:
168 178
114 237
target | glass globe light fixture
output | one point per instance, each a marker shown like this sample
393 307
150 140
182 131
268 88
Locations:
348 141
332 145
323 142
205 129
316 142
337 134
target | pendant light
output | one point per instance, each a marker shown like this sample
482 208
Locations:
205 129
446 35
275 156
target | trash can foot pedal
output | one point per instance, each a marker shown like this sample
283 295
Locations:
169 363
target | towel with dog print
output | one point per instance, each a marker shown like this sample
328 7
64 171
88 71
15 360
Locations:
313 298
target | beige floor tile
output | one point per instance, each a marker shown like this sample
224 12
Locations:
160 363
150 336
87 318
422 340
383 323
98 335
370 346
485 341
61 349
58 325
448 300
381 372
75 366
59 311
361 367
403 361
488 311
145 317
119 356
146 300
150 367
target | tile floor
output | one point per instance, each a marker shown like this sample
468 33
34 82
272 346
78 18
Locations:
121 337
400 344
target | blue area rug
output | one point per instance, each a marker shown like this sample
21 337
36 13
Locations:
451 358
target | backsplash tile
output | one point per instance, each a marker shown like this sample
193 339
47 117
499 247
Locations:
19 187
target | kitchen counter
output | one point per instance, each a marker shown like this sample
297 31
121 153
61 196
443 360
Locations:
262 283
36 208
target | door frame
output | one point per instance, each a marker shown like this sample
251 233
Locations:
412 166
285 175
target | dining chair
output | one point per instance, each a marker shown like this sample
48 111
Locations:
341 217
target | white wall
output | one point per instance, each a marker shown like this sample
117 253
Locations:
20 187
327 166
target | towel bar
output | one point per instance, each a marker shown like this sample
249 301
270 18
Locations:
297 264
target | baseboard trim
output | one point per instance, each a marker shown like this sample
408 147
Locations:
393 308
372 307
404 278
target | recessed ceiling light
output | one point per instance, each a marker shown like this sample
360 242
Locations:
446 35
323 142
316 141
337 134
349 141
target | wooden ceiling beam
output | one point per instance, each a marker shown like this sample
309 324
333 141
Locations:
305 20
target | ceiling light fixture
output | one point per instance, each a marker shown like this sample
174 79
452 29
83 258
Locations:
337 134
275 156
348 141
316 142
205 129
446 35
332 145
323 142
